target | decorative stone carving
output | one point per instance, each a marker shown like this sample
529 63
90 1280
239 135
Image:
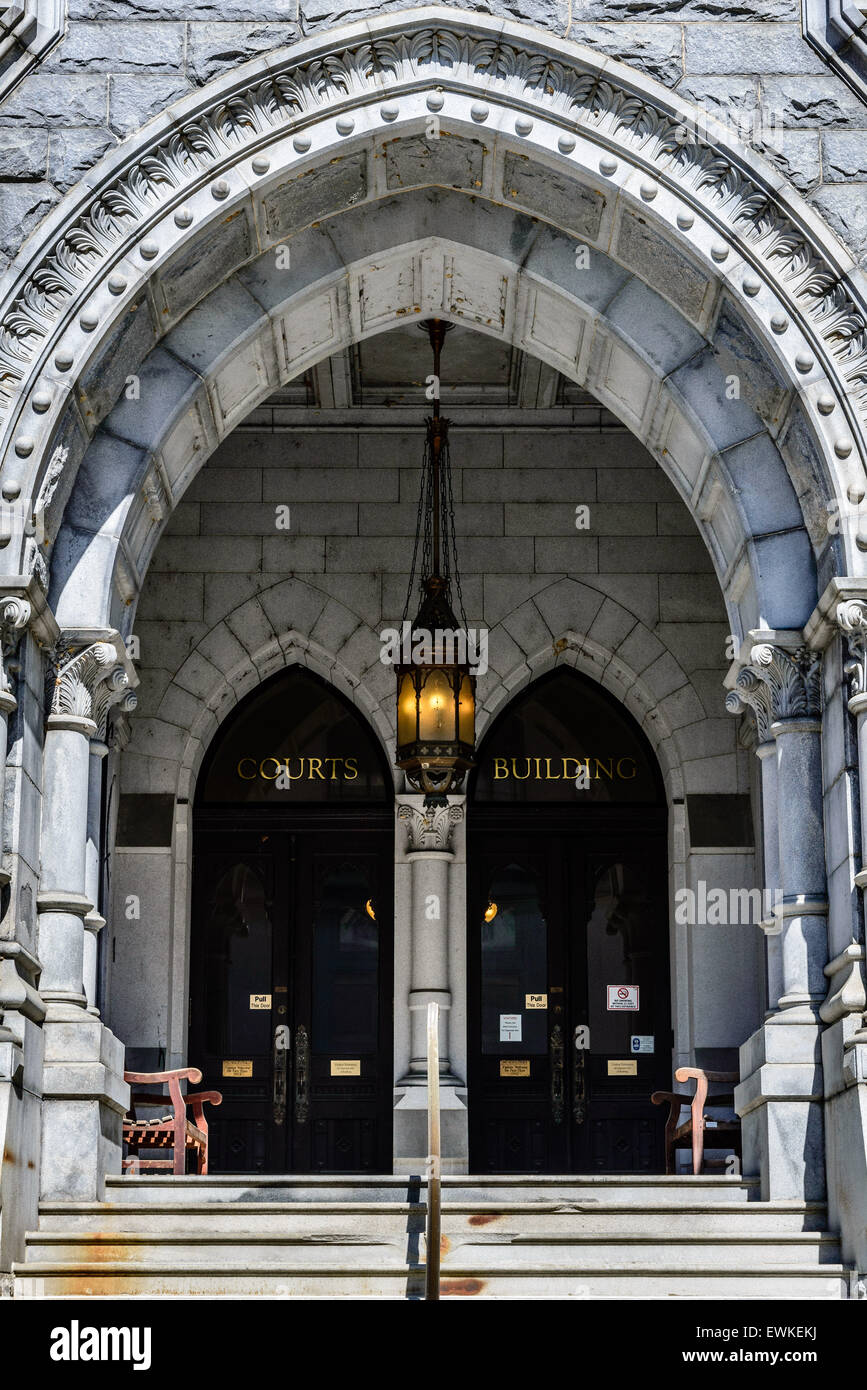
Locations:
75 676
15 614
751 692
164 171
113 691
429 827
792 686
852 621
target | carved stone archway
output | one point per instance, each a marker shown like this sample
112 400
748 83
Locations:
707 266
586 146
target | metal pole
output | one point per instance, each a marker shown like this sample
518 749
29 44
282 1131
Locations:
432 1260
437 332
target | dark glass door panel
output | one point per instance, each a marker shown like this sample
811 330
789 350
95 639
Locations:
556 917
290 997
240 912
514 963
621 914
343 997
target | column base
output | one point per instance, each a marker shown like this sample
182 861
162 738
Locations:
780 1102
20 1085
84 1101
410 1126
844 1054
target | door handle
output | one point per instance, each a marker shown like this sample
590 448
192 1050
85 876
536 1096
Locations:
579 1088
302 1070
555 1048
282 1043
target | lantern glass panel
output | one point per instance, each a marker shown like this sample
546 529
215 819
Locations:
467 712
406 711
437 708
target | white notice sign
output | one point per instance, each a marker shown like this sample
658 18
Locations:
641 1042
510 1027
622 997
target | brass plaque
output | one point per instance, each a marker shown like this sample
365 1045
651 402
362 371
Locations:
623 1068
260 1001
536 1001
510 1068
237 1068
345 1068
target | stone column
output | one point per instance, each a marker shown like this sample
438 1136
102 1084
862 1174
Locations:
15 614
108 694
752 693
25 618
780 1095
846 984
430 854
84 1093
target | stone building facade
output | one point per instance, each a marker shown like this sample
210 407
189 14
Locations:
647 225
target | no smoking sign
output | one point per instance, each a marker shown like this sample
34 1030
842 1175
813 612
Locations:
622 997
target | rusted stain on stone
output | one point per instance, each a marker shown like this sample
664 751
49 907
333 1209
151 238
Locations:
461 1287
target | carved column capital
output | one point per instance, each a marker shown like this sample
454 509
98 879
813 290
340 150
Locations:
753 693
15 615
113 692
851 618
75 674
429 827
792 679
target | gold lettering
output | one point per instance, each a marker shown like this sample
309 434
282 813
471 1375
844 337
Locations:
353 769
335 761
515 771
300 772
319 773
609 773
247 776
567 775
548 775
626 777
538 762
500 763
263 773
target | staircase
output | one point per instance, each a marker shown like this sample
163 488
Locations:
503 1237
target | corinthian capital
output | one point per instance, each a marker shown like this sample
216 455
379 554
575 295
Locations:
792 680
15 614
751 692
75 678
429 827
852 621
114 691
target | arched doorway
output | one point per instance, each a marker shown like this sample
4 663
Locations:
290 991
569 1007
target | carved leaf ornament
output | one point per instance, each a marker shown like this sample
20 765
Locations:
190 153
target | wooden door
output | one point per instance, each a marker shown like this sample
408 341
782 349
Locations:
290 996
557 918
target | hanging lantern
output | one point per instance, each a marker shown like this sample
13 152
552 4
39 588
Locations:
436 689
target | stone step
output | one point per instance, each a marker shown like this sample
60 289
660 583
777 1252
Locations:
599 1218
474 1249
630 1189
781 1281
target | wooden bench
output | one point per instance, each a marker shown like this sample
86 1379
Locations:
172 1131
691 1133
